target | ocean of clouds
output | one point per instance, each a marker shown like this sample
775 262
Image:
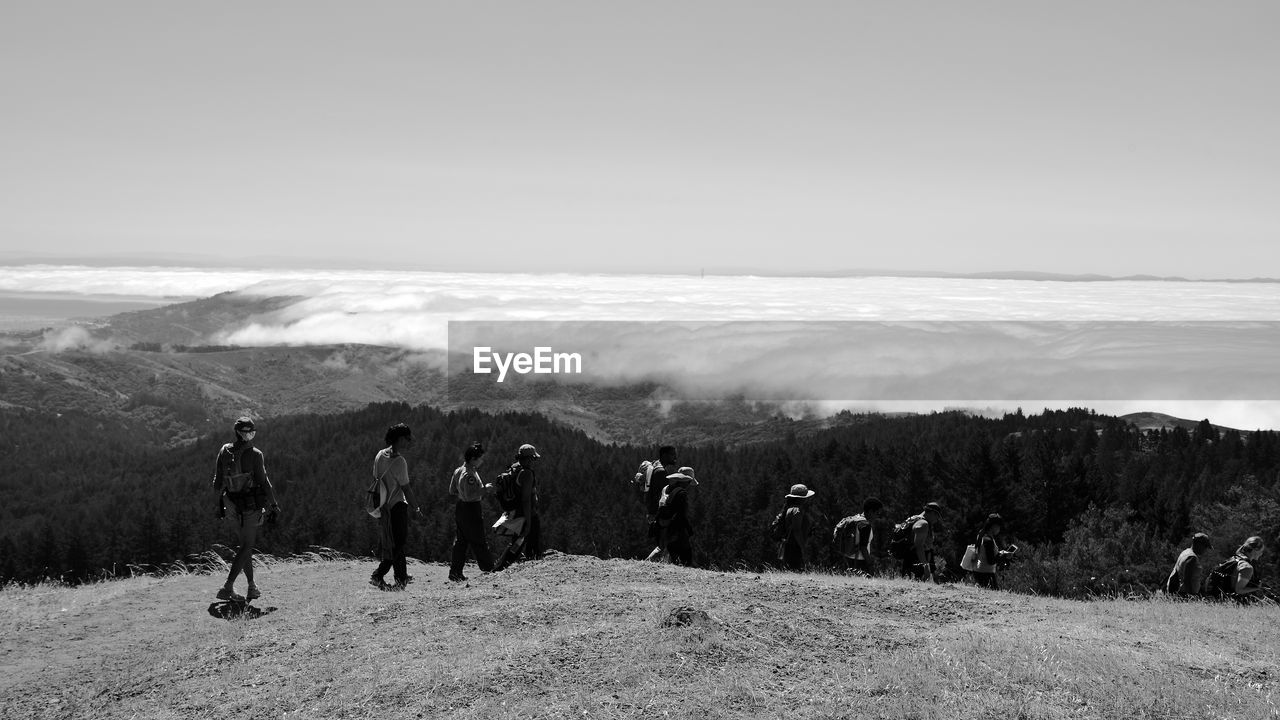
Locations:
413 310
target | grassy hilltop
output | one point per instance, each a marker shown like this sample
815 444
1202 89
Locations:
580 637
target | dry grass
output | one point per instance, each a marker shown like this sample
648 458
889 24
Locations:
580 637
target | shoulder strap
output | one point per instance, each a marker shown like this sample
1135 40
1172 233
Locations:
239 458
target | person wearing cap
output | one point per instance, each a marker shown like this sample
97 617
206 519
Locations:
675 531
240 478
1187 575
467 486
390 465
528 540
795 528
990 554
920 564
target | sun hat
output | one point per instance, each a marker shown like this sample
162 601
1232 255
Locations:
800 492
527 450
244 423
684 473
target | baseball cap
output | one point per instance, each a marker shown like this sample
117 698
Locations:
528 450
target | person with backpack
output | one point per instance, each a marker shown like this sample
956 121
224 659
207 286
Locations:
392 470
675 531
519 487
791 528
1187 576
913 542
1238 576
467 486
988 554
654 476
852 538
240 478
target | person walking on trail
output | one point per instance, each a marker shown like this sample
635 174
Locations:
675 531
467 486
655 479
795 528
853 535
397 499
989 554
919 563
1187 577
240 478
528 539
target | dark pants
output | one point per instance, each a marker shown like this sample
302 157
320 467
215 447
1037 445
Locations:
393 557
986 580
530 548
680 548
793 556
470 536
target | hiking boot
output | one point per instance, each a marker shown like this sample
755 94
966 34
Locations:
378 583
252 593
457 578
227 593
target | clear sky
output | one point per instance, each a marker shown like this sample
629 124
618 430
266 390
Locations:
1116 138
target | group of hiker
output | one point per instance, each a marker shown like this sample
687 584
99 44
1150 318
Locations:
241 481
243 487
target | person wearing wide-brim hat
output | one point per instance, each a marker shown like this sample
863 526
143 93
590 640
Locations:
795 528
674 529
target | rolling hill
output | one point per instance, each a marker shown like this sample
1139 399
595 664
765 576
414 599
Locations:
579 637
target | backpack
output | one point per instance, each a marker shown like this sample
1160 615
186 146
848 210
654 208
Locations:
1222 579
778 528
238 482
902 543
666 508
507 486
644 474
845 536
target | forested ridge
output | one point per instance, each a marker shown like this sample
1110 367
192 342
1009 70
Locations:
1099 505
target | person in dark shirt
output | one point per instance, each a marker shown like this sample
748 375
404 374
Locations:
528 540
990 554
795 528
853 538
657 480
673 517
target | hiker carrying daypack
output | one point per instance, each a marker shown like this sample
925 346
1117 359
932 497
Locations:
902 543
507 488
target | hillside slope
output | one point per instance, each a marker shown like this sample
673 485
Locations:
580 637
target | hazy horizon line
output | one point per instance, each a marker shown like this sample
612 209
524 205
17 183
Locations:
281 262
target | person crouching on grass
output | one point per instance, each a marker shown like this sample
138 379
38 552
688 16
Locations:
240 477
397 498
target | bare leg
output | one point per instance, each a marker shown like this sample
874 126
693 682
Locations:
243 561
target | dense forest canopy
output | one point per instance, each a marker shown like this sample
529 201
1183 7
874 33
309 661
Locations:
1098 504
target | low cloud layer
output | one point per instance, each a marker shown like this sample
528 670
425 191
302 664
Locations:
797 349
